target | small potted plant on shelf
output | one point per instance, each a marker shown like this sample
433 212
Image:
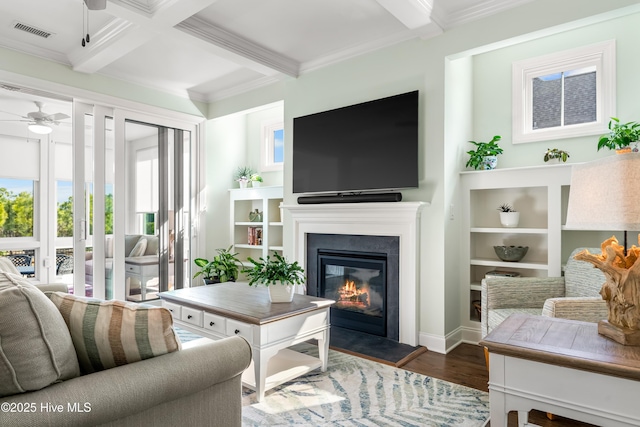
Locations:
485 156
277 274
223 267
243 175
256 180
554 153
509 217
620 136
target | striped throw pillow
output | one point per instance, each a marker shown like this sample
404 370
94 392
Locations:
111 333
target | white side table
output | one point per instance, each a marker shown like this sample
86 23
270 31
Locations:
142 269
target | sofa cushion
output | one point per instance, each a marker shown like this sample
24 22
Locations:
140 248
35 345
111 333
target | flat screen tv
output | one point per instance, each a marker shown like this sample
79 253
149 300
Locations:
359 148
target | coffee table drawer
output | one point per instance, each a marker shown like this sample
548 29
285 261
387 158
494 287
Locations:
175 309
215 323
192 316
238 328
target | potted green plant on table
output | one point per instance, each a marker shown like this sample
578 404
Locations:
620 136
277 274
509 217
485 156
243 175
554 153
222 268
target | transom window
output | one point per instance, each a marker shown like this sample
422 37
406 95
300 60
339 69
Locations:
565 94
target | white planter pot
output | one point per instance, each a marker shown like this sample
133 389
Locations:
509 219
243 184
256 184
281 293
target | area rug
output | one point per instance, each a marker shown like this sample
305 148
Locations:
359 392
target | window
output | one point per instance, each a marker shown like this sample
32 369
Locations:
565 94
16 207
272 147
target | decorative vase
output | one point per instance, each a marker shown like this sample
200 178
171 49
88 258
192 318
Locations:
509 219
281 293
242 183
489 162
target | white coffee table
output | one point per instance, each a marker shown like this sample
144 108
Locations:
234 308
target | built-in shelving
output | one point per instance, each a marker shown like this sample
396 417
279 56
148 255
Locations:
269 238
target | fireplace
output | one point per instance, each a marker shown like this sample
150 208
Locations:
357 282
399 221
360 273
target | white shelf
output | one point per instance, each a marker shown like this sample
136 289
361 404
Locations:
247 246
507 230
538 193
266 200
488 262
284 366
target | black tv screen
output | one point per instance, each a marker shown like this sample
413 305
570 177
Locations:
362 147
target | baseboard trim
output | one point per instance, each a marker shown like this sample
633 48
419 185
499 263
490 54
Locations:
444 344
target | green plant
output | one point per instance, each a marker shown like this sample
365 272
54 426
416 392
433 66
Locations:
620 135
256 177
223 267
243 173
271 270
483 149
554 153
505 207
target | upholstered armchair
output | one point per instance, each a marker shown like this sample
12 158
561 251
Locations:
574 296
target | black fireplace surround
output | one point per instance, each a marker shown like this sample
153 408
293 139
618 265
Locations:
370 266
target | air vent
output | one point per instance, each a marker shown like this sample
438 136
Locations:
32 30
10 88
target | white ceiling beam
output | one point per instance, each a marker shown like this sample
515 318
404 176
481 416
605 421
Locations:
130 29
413 14
237 49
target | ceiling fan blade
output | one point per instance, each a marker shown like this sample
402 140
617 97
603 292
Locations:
13 114
57 116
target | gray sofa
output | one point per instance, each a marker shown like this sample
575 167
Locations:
40 384
199 386
574 296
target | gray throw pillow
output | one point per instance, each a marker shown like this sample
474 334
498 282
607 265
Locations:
35 344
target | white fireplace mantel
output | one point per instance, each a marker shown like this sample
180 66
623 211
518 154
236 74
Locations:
400 219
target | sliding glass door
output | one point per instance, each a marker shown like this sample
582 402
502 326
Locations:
135 178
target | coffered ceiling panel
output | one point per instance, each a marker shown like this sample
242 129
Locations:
209 49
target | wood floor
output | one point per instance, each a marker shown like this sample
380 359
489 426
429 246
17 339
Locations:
466 365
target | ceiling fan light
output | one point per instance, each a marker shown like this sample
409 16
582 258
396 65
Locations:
40 129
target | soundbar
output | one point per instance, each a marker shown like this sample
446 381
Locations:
350 198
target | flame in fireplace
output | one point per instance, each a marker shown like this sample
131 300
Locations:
350 295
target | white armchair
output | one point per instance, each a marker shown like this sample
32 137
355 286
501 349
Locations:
575 296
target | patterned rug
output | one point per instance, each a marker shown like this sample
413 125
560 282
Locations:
359 392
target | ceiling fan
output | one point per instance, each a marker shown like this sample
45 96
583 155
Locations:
39 121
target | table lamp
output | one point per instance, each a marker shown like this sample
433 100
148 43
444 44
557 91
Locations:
605 195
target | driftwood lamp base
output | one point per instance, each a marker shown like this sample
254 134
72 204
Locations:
620 335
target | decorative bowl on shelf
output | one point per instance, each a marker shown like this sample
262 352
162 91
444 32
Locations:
511 253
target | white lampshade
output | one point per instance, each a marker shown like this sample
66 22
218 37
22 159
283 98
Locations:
605 194
40 129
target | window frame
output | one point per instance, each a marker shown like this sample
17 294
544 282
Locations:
601 55
267 146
